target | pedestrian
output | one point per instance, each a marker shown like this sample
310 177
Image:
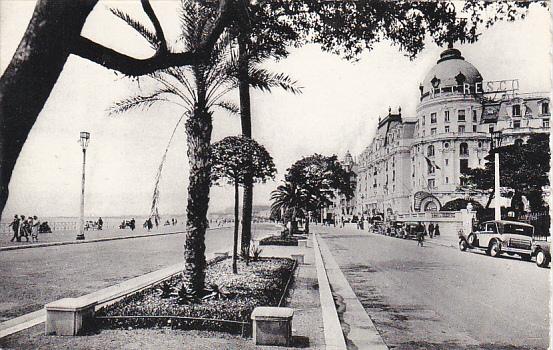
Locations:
156 221
15 227
27 224
149 224
100 223
420 234
437 230
431 230
34 229
133 224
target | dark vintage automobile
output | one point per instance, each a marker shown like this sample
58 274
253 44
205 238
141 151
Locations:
501 236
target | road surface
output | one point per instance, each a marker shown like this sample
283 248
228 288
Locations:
437 297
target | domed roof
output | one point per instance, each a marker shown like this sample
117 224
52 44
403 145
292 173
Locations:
451 70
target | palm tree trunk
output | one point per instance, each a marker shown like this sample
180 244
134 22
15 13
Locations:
246 123
198 131
236 218
32 73
307 224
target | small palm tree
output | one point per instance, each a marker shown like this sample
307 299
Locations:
290 197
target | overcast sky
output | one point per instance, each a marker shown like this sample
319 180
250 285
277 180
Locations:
337 111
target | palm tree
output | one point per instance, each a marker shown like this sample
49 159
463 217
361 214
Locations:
292 198
197 89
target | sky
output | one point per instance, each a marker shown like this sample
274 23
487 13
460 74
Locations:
337 111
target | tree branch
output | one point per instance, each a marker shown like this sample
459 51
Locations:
147 7
128 65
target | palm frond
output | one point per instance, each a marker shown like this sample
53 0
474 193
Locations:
264 80
137 102
139 27
155 195
228 106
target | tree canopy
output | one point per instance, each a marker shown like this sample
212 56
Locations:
524 170
234 157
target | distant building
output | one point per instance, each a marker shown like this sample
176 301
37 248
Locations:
414 164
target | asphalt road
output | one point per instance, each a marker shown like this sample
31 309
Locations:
437 297
34 277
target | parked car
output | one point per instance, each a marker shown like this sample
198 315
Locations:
409 230
511 237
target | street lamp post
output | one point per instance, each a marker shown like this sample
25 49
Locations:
83 140
496 142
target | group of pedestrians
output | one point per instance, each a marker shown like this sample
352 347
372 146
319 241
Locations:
25 227
422 231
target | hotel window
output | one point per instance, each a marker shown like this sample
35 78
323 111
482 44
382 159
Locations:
423 120
461 129
446 145
446 129
491 129
446 116
430 151
423 133
431 183
516 110
516 124
545 123
463 165
474 116
432 118
446 180
433 131
461 115
446 161
474 128
464 149
545 108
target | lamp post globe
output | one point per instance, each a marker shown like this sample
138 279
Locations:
83 140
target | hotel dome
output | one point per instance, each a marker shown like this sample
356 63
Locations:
451 70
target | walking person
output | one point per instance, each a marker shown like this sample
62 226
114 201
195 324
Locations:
15 227
100 223
431 230
149 224
34 229
132 224
437 230
420 235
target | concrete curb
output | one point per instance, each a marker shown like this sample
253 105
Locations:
362 331
53 244
334 338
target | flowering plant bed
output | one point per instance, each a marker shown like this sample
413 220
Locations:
279 240
226 305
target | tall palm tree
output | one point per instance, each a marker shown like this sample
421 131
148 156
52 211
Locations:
197 89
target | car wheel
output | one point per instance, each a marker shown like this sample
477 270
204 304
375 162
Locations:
463 245
471 240
542 260
494 249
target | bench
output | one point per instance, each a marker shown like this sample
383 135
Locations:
272 325
69 316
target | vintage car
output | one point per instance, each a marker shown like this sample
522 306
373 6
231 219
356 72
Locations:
511 237
409 230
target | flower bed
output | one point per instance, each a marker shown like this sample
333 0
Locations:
279 240
226 307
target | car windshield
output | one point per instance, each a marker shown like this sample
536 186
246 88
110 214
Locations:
518 229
